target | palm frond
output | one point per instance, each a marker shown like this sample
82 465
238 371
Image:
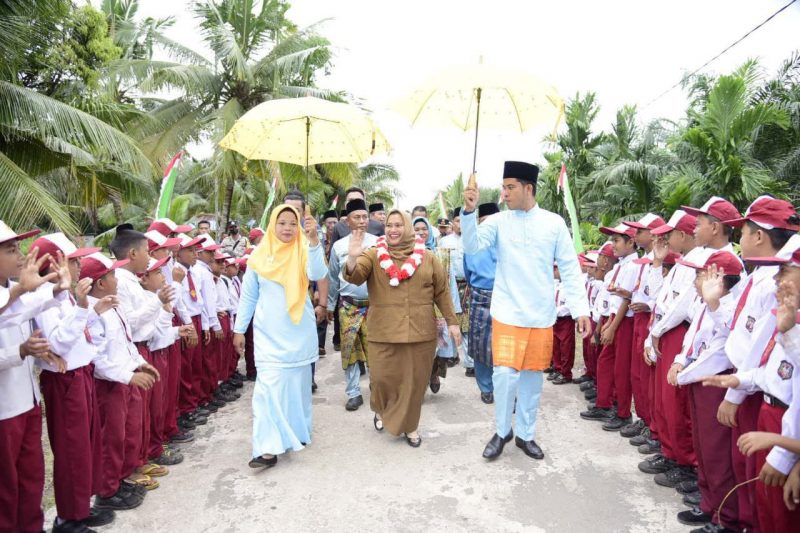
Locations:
26 203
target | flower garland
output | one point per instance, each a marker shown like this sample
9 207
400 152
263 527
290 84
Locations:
396 275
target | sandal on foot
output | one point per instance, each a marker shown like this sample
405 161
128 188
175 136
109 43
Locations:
378 423
261 462
152 470
414 442
145 481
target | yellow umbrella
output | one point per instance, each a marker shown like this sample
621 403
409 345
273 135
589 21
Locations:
482 95
306 131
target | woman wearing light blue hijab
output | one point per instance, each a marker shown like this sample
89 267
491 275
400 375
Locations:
446 346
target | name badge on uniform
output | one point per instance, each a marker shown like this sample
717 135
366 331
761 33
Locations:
659 317
605 304
751 321
785 370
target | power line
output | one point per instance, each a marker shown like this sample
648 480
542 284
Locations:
704 65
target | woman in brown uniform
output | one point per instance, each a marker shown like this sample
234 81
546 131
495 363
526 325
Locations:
404 281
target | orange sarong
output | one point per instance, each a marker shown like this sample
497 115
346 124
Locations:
521 348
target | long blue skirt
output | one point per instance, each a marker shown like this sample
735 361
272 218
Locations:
281 410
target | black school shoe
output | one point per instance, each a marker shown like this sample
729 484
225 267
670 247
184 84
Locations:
487 397
616 423
686 487
672 477
652 446
553 375
561 380
260 462
693 517
597 413
586 385
72 526
123 500
641 438
583 379
657 464
470 372
692 499
184 424
590 394
99 517
713 528
632 430
182 437
549 370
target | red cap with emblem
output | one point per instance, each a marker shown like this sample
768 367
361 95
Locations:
717 207
619 229
56 243
680 220
255 233
722 260
769 213
649 221
166 227
157 241
96 265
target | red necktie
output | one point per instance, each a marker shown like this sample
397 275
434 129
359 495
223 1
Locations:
238 288
124 325
741 302
699 324
639 279
192 289
768 348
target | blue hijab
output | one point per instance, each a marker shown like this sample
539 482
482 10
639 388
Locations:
430 244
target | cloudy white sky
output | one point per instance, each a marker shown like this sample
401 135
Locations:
627 51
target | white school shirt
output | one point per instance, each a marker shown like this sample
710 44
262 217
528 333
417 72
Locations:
755 304
178 306
19 389
224 304
642 291
562 310
164 333
703 352
790 423
208 316
235 287
193 307
66 328
674 302
141 312
778 378
625 272
603 296
114 340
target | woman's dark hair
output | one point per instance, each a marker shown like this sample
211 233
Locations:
778 237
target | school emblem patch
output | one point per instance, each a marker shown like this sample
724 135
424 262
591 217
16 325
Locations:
675 294
750 323
605 304
785 370
647 290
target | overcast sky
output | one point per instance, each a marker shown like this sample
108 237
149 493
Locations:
627 51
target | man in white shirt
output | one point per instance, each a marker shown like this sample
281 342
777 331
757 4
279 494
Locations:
528 240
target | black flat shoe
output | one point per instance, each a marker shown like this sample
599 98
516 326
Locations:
495 446
99 517
354 403
583 379
487 397
530 448
435 386
413 442
260 462
378 423
561 380
470 372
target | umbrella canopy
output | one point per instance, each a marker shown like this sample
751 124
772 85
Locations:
481 95
306 131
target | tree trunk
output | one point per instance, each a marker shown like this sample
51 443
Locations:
116 203
227 203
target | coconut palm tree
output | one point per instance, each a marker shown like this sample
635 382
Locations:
45 141
258 54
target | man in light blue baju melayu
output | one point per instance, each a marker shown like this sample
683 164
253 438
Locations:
528 240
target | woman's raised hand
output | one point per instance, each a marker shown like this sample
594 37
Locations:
356 247
310 227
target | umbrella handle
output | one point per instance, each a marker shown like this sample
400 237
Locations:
477 124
